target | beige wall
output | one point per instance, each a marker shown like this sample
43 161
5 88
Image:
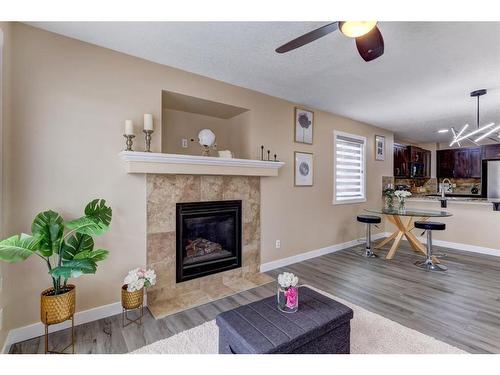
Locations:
471 224
177 125
5 79
69 103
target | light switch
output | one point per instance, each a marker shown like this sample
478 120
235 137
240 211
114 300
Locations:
184 143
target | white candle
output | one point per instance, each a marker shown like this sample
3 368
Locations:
129 127
148 121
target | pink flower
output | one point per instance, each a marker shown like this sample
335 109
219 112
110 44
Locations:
291 297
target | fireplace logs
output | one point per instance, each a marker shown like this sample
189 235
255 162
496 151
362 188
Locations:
201 246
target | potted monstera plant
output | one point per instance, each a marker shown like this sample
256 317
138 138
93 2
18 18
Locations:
67 248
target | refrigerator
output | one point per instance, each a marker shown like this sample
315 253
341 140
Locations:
493 179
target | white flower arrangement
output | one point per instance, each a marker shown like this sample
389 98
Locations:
402 194
139 278
287 279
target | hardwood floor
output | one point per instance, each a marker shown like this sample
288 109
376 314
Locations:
460 307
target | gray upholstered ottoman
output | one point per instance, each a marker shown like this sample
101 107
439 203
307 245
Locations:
321 325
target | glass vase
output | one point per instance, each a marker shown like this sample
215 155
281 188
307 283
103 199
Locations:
389 202
288 299
402 205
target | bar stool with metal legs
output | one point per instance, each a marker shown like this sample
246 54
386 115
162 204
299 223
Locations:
429 264
369 220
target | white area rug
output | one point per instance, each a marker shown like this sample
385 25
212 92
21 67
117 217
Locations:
370 334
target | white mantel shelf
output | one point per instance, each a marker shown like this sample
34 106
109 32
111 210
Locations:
157 163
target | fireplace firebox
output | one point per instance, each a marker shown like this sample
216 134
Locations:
208 238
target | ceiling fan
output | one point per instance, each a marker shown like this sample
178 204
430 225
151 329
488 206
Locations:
368 38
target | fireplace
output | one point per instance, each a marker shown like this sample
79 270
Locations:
208 238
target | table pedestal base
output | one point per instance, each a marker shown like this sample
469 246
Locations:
404 230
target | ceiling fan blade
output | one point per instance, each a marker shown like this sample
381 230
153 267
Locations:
371 45
309 37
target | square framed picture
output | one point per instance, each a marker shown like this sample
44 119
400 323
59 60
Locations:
304 124
304 169
379 147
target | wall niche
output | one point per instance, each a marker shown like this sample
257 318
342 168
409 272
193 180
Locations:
184 116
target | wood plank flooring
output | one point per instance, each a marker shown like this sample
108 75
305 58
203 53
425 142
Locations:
460 307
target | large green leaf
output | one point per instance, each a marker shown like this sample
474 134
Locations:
48 225
87 225
98 211
17 248
74 268
95 256
75 244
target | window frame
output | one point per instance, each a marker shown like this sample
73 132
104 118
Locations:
363 139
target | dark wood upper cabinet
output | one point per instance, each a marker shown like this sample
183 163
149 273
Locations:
491 152
401 158
459 163
411 161
475 162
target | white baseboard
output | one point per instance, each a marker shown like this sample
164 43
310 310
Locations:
37 329
331 249
463 247
314 253
455 245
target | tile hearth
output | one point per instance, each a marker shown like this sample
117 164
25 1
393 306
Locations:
163 192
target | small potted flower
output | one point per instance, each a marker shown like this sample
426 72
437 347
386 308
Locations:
402 195
288 292
133 288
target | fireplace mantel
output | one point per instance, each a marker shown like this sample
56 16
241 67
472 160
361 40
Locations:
158 163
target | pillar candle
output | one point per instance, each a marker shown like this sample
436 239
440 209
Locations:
129 127
148 121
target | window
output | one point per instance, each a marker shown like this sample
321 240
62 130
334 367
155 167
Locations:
349 179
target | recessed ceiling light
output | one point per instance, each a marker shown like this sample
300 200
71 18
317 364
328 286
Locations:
443 131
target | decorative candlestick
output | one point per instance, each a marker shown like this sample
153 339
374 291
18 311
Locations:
275 157
148 139
268 155
262 152
129 141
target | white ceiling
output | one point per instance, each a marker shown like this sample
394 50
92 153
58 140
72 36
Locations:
418 86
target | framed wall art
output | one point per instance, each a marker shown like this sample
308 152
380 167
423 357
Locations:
304 169
304 124
379 147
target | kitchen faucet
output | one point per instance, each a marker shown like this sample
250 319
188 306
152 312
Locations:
448 183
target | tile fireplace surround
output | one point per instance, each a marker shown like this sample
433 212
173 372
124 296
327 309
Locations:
163 192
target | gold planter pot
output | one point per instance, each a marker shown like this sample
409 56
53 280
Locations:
131 301
56 309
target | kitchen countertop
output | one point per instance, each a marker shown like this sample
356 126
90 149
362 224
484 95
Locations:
455 199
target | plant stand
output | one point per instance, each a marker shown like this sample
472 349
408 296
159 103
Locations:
132 301
72 344
129 321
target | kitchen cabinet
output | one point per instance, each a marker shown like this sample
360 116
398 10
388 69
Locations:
491 152
445 163
411 162
401 158
459 163
475 162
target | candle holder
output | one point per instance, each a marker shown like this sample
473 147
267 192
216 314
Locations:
148 139
129 141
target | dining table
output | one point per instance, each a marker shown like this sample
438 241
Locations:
404 222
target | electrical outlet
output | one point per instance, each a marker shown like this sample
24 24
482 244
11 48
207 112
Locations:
278 244
184 143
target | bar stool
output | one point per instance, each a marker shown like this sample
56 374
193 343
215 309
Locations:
369 220
428 264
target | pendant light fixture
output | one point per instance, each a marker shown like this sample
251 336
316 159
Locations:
486 130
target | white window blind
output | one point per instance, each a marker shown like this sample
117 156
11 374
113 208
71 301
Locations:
349 168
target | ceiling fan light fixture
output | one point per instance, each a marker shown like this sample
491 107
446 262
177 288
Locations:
355 29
